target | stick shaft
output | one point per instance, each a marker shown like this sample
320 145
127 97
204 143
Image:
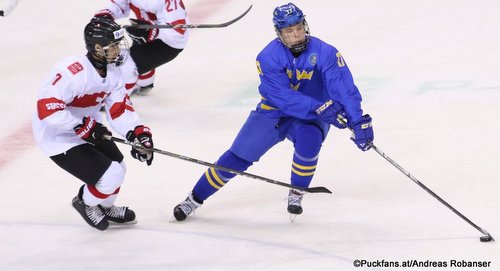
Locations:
170 26
415 180
319 189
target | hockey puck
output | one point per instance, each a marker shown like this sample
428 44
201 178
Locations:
486 238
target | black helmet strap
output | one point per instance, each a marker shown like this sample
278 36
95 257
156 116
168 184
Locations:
100 63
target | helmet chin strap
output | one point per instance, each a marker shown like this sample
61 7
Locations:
298 48
99 62
98 58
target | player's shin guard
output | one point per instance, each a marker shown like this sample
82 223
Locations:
109 184
307 147
308 140
303 170
146 79
92 196
110 200
213 180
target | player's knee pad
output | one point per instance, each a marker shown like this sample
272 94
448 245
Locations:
308 140
310 131
230 160
112 179
146 79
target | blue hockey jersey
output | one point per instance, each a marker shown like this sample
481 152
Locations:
298 86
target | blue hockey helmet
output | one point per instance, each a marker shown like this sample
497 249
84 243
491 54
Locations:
286 16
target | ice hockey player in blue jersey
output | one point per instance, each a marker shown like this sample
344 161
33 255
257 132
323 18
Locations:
305 85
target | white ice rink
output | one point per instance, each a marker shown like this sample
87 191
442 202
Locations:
429 72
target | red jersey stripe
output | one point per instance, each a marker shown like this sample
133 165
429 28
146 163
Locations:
117 109
48 106
88 100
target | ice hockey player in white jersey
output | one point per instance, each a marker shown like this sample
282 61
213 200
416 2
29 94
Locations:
151 48
67 127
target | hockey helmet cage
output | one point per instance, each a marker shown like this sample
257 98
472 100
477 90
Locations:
286 16
102 31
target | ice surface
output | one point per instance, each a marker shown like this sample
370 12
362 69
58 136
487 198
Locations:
429 74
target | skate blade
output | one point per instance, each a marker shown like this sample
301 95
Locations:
112 223
143 93
292 217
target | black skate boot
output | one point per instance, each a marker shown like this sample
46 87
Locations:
294 203
142 91
93 215
120 215
185 208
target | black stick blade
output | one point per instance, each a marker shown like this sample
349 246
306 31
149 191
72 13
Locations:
318 189
486 238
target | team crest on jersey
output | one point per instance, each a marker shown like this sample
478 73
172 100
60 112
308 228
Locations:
313 59
300 74
75 68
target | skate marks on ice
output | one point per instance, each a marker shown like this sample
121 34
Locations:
81 236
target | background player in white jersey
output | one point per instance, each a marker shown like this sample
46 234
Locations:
66 123
151 48
305 85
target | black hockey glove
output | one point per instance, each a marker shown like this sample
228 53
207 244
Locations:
141 36
329 113
141 135
91 131
363 133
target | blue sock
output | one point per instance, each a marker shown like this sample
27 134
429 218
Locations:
213 180
308 140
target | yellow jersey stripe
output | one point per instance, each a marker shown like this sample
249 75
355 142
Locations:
266 107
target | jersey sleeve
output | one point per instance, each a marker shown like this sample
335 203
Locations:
120 113
340 83
117 8
276 91
56 93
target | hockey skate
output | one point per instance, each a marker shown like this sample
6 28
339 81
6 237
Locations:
185 208
119 215
294 203
93 215
142 91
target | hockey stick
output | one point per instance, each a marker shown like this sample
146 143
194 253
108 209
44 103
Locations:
9 8
159 26
486 238
319 189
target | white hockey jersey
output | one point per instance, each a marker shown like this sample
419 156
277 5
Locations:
159 12
73 90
